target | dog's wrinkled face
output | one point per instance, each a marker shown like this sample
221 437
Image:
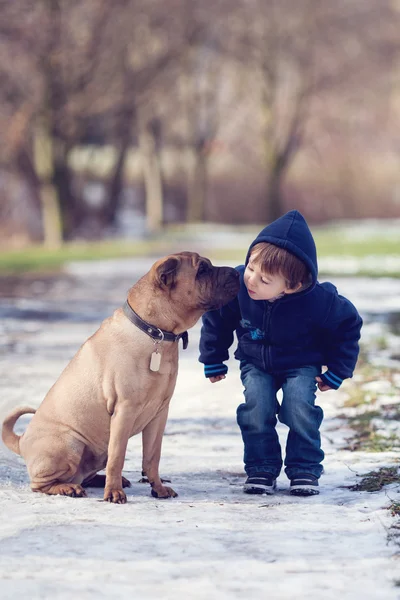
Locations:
193 281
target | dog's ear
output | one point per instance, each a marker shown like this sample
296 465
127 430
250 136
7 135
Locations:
166 272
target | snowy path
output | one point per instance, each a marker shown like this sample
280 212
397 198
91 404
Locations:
210 542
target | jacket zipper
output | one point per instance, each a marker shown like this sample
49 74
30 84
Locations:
267 355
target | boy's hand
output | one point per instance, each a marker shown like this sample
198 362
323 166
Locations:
321 385
216 378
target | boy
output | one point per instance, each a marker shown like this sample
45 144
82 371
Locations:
288 325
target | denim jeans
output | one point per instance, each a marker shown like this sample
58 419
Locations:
256 418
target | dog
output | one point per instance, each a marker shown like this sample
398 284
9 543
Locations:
119 384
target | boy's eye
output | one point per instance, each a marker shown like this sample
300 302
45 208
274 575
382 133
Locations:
266 282
250 268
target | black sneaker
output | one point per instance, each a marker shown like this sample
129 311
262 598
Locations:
304 485
262 483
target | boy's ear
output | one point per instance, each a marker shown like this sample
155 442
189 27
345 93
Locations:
166 272
295 289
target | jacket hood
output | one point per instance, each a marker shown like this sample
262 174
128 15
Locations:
292 233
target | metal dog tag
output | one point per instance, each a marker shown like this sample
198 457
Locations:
155 361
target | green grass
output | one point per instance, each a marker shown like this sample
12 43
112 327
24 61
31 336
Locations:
366 430
335 244
395 509
330 242
366 438
40 258
375 480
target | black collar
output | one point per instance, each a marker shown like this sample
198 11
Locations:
157 334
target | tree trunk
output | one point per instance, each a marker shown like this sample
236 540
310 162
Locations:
152 180
197 187
28 172
278 162
52 222
50 207
124 134
116 186
275 207
72 212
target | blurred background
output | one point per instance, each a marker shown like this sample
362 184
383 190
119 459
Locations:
128 119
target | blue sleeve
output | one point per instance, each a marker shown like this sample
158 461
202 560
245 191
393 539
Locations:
342 327
217 334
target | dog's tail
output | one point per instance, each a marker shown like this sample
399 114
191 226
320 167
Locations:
10 438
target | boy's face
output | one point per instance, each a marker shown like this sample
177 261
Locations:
262 286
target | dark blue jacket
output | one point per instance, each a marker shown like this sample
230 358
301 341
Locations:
315 326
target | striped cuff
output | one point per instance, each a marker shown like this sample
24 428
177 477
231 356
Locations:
331 379
214 370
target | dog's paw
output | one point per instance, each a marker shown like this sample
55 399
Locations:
115 496
125 482
163 492
70 489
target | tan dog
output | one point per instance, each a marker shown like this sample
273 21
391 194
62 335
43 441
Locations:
108 393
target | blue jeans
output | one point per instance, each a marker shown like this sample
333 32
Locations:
256 418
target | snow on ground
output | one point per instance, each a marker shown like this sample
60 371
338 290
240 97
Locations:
212 541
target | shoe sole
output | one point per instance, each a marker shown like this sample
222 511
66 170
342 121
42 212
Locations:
269 490
301 490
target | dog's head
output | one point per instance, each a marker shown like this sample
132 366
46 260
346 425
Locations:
191 280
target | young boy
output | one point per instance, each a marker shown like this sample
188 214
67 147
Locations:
288 326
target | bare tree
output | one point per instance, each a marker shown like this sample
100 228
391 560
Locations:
199 87
142 77
60 46
88 65
297 50
206 93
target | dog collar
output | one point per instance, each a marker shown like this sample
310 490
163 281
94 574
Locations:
157 334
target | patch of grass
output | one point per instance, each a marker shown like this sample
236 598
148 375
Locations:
375 480
357 397
382 343
364 419
334 243
394 537
330 242
40 258
377 442
367 372
370 441
366 437
395 509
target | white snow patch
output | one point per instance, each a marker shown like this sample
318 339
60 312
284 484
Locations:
379 385
210 542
